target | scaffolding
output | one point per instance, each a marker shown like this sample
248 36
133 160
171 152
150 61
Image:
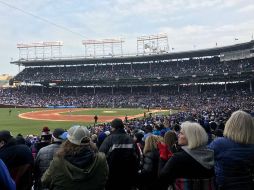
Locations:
40 50
152 44
103 48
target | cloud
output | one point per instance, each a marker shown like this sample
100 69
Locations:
187 22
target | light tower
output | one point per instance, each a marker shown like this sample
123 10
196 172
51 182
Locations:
103 48
151 44
40 50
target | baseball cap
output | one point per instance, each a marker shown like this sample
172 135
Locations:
78 135
59 134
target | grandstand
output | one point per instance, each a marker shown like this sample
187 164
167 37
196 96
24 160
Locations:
159 74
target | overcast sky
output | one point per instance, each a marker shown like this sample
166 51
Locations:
189 23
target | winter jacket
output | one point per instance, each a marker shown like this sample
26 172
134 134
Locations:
234 164
86 170
19 160
6 182
122 160
149 173
189 169
42 161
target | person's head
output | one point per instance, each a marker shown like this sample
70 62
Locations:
138 136
45 134
148 129
240 128
151 143
192 135
5 137
59 135
117 124
78 138
78 135
170 138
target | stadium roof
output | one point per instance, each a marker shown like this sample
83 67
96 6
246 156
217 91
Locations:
134 58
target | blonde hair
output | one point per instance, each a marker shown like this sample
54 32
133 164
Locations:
195 134
151 143
240 128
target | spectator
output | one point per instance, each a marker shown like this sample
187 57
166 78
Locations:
45 155
6 182
44 141
234 153
77 164
121 157
18 159
148 176
193 167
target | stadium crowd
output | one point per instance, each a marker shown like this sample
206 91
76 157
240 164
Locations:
204 66
233 98
187 150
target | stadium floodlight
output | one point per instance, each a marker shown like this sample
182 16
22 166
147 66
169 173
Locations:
103 48
152 44
40 50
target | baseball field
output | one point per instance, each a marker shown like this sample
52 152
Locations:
31 121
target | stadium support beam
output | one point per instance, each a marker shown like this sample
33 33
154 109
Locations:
225 86
94 91
150 89
250 86
178 88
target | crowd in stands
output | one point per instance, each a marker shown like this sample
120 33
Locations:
204 66
217 97
201 150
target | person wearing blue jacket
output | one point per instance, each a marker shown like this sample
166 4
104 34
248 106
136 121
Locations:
234 153
6 182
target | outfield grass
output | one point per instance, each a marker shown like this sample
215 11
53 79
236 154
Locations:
24 126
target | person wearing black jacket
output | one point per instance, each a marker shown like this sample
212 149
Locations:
18 159
193 167
121 157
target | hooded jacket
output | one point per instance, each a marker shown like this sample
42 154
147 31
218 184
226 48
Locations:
189 169
86 170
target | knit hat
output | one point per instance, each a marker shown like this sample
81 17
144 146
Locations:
45 131
59 134
5 135
45 134
78 135
117 123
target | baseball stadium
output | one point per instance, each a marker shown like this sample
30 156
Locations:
74 89
145 113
